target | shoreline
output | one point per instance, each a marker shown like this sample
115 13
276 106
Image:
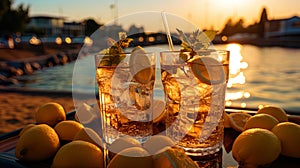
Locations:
18 105
18 62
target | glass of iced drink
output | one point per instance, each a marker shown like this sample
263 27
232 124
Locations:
195 85
125 83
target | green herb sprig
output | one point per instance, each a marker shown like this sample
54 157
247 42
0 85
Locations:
115 53
198 40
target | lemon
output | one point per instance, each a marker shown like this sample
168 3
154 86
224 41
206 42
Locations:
89 135
157 142
134 157
25 128
78 154
171 157
208 70
122 143
67 130
226 121
238 120
265 121
274 111
37 143
289 135
50 113
140 65
255 147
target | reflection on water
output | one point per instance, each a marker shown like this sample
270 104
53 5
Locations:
236 75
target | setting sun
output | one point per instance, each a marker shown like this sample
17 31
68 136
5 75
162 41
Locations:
204 13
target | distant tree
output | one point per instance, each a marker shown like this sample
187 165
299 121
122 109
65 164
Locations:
133 29
91 26
4 7
257 28
12 20
227 28
239 26
252 29
232 28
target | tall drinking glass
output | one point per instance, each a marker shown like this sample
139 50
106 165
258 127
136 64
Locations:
195 85
125 83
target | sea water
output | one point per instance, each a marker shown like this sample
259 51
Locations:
258 75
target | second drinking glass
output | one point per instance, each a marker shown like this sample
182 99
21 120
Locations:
195 85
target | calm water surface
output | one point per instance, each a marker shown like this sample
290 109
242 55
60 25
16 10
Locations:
264 76
269 75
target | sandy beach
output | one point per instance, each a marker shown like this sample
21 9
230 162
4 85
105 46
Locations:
17 108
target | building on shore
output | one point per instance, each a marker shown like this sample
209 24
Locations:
55 26
48 25
283 28
277 32
73 29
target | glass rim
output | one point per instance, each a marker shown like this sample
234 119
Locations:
202 50
125 53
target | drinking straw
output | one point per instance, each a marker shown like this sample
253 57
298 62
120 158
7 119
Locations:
165 22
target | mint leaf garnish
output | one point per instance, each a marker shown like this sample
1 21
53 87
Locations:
198 40
115 54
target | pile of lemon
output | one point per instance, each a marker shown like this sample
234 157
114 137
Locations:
158 151
67 143
264 136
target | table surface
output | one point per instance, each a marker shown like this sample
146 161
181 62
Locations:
221 159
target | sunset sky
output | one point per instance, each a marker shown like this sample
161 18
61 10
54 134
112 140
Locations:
203 13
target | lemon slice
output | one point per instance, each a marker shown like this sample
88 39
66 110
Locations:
158 110
140 65
226 121
238 120
207 70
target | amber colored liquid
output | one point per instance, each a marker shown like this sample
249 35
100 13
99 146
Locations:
123 104
193 120
195 111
